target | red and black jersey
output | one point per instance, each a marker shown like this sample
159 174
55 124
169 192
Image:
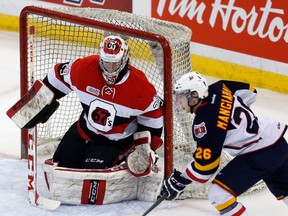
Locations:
114 111
224 121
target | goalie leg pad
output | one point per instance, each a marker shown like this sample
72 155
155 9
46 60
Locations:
84 186
149 187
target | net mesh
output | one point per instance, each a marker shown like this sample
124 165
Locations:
56 40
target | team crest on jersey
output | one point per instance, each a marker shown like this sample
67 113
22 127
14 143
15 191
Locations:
200 130
101 115
108 91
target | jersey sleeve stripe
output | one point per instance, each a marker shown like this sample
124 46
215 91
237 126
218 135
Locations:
207 167
151 122
191 174
154 113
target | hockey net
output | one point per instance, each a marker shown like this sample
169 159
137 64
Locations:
159 48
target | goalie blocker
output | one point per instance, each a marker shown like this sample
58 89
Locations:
97 187
36 106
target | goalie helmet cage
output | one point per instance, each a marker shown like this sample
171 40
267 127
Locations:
161 49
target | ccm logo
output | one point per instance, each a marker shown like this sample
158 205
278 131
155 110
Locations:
93 192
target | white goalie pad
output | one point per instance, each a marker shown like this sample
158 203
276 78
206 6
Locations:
82 186
32 103
97 187
149 187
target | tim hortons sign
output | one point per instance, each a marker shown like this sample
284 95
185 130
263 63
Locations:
258 28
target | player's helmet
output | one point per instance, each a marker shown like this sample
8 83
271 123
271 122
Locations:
114 55
191 82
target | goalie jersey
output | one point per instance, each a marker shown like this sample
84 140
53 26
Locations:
225 121
114 111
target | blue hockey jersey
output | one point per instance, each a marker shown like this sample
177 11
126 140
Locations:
224 121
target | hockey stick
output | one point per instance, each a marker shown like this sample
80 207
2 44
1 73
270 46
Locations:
156 203
33 195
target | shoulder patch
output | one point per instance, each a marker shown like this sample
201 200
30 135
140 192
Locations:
200 130
64 69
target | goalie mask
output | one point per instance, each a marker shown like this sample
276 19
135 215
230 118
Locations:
114 55
190 85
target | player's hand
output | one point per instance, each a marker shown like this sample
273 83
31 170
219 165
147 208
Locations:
174 185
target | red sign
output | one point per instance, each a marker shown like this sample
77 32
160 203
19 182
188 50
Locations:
126 5
258 28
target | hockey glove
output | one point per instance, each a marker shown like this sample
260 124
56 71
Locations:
142 159
174 185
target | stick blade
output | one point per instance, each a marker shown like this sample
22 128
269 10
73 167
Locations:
46 203
42 202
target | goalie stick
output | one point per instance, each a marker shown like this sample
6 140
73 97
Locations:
33 195
156 203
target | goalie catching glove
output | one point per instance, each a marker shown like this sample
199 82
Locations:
174 185
142 160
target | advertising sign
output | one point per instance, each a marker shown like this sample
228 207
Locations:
258 28
126 5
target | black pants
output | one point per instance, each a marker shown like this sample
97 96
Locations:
75 152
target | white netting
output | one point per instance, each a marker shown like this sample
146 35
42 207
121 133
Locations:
60 40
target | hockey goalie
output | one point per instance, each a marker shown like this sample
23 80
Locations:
109 154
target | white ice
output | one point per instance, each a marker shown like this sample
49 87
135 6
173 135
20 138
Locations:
13 172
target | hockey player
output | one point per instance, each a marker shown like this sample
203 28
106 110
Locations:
224 121
117 101
122 119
